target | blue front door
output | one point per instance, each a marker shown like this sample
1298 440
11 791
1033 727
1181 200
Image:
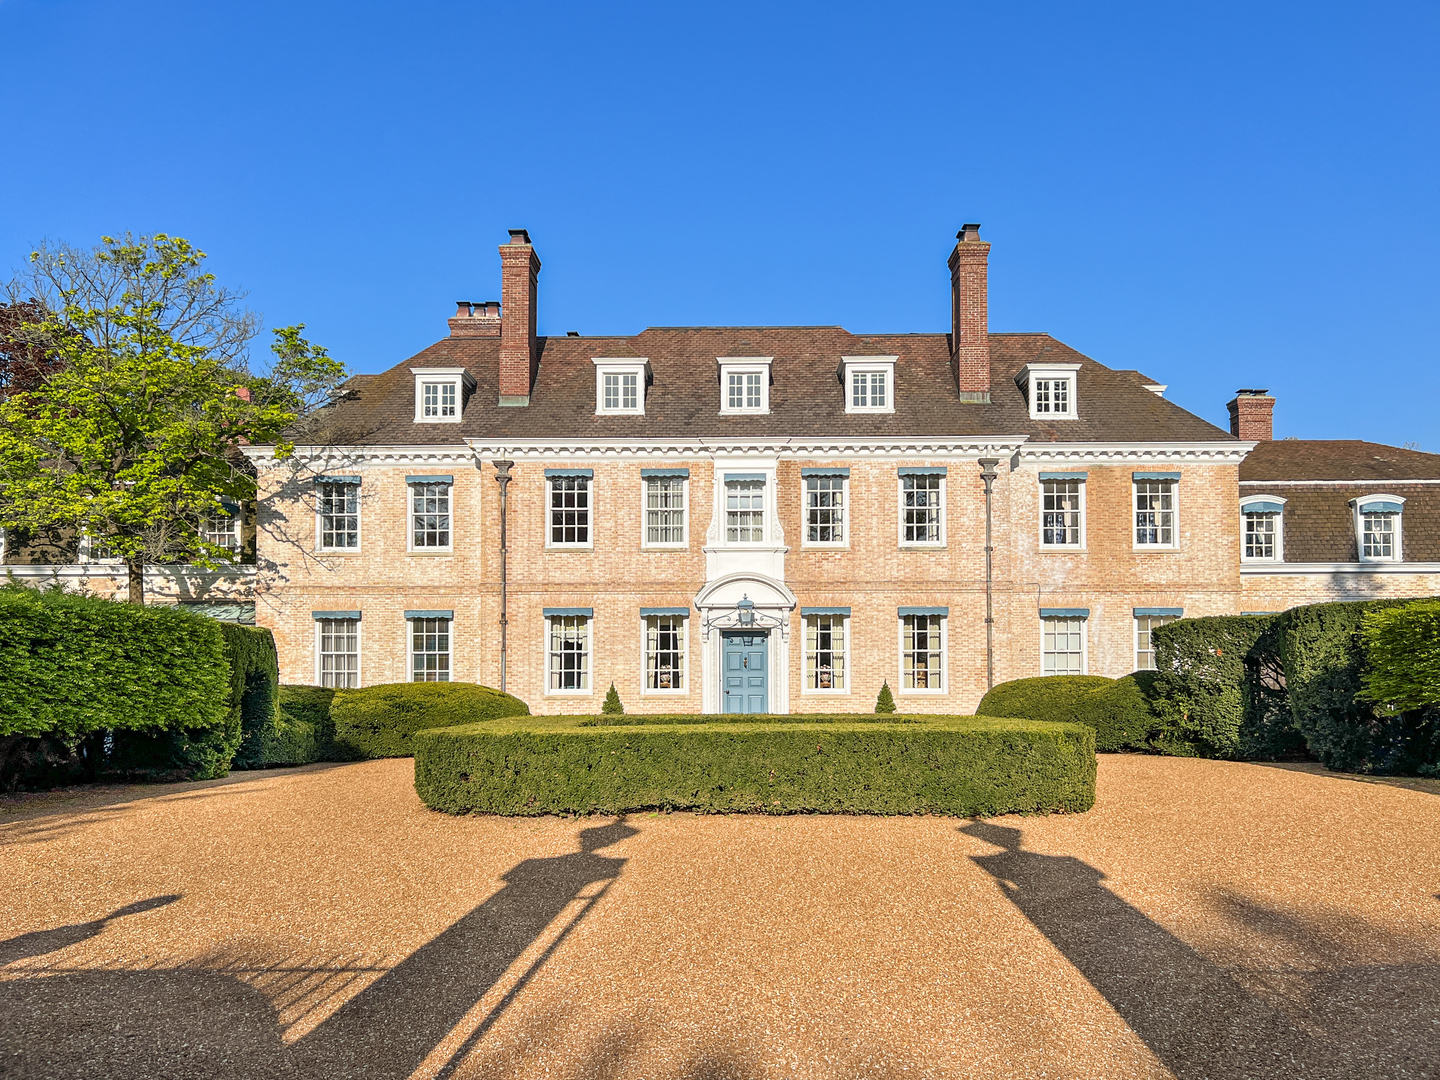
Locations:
747 679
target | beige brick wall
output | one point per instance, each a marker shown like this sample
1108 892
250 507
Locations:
1279 592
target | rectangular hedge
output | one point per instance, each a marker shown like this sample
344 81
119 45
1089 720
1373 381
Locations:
852 765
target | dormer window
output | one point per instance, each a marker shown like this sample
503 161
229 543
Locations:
440 394
620 386
1377 527
869 383
744 384
1050 390
1262 535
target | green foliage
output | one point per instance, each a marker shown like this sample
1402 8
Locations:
1118 710
1402 655
914 765
1199 685
612 705
294 742
885 700
254 684
73 665
133 434
309 706
1324 658
1267 729
379 721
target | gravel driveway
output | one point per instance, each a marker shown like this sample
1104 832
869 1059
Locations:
1207 919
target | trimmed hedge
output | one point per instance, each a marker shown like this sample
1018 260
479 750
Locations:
304 721
254 688
379 721
1118 710
1402 655
906 765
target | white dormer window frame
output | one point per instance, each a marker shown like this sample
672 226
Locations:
744 385
1391 508
440 394
620 384
1051 390
1253 543
869 383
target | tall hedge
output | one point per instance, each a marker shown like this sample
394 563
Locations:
254 688
1402 655
1323 652
378 721
1118 710
71 665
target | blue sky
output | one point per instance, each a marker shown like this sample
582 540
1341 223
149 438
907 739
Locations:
1218 195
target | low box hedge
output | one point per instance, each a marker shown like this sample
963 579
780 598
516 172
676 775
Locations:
379 721
775 765
1118 710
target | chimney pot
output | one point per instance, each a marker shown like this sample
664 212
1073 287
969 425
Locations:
968 233
1252 415
969 315
519 236
462 309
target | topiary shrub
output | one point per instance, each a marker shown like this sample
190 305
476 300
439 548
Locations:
959 765
885 700
304 730
612 705
1118 710
1324 659
378 721
254 687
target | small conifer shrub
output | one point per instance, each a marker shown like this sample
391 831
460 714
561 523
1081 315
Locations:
885 703
613 705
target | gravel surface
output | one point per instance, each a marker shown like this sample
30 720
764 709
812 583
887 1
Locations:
1207 919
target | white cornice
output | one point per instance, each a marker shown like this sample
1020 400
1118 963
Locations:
334 457
1210 453
1299 569
808 447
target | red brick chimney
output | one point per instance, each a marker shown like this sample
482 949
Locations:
1250 415
969 315
476 318
519 269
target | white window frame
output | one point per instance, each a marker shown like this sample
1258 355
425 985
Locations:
744 365
766 525
684 689
1174 516
449 651
1151 652
639 367
849 688
1084 621
684 542
844 541
944 687
1398 544
1031 374
589 669
359 651
320 521
236 529
929 545
550 542
456 377
1078 479
426 549
1279 555
869 365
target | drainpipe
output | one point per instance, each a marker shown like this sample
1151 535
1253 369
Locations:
502 477
987 474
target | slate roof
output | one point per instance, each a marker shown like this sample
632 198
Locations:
806 396
1337 459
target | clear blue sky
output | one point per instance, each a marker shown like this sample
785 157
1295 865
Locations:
1224 196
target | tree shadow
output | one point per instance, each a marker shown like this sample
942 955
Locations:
1312 1018
41 942
1429 785
192 1021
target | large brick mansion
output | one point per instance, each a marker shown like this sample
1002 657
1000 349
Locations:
780 519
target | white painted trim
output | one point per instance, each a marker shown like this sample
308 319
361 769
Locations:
545 690
920 545
589 545
458 377
944 687
1084 642
244 575
1300 569
1174 544
868 365
410 548
1157 453
1057 372
788 448
1357 512
825 545
645 692
359 651
1279 528
410 649
684 544
637 366
802 637
744 365
1063 549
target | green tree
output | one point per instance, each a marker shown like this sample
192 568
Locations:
885 700
612 705
131 434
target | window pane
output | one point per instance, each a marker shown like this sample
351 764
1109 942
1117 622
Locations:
752 391
745 511
1060 512
921 665
825 509
1062 648
877 390
430 515
612 391
222 530
430 650
339 506
1378 536
570 510
665 652
1155 512
921 508
859 390
736 398
340 653
1260 536
1144 645
569 654
825 652
665 510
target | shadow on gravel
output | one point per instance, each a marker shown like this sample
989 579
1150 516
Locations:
1310 1016
41 942
63 1023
